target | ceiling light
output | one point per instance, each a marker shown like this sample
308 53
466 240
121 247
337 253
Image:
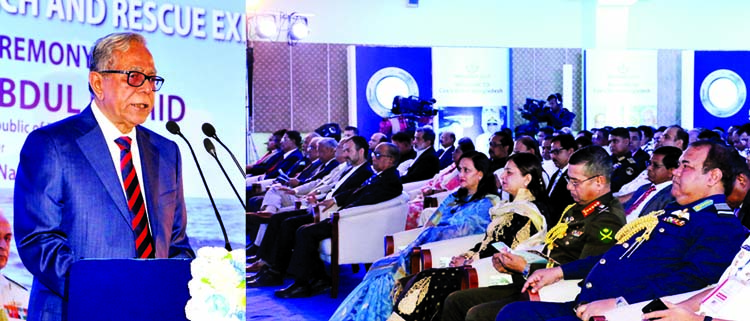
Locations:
266 27
298 28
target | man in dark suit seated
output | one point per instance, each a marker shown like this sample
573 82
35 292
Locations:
278 242
445 154
562 147
501 146
626 168
305 265
656 195
635 145
272 156
403 141
292 155
426 163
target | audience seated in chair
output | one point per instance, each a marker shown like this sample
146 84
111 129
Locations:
426 164
682 248
305 265
519 224
586 228
278 242
271 157
562 146
657 193
463 213
445 153
446 180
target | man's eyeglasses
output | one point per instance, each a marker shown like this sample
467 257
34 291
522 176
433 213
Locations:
576 183
137 78
555 151
379 155
492 144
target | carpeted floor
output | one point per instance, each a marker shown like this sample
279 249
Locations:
262 305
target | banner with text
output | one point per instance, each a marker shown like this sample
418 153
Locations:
472 89
620 88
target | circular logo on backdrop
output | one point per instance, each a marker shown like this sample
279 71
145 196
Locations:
387 83
723 93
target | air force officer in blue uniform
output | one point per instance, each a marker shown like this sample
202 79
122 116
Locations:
70 199
684 248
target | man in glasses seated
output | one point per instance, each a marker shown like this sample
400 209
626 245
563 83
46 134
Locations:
98 184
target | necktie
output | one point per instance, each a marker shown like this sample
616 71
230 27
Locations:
640 200
553 182
144 243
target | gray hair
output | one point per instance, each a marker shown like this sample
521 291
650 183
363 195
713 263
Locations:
101 55
328 142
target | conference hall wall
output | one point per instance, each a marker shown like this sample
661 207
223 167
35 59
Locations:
305 85
197 48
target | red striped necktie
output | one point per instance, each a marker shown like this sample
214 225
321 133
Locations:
144 242
640 199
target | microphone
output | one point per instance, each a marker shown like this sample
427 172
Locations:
210 131
212 150
173 128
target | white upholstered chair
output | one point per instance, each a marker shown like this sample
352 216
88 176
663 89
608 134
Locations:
358 234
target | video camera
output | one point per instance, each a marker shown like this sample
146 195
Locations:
532 108
413 105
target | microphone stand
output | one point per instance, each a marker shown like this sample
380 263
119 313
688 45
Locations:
210 131
173 128
212 151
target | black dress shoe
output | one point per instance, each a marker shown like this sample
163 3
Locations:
296 290
266 278
319 286
257 275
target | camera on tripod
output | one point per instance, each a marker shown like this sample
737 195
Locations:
413 105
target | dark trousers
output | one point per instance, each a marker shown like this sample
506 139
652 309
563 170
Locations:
305 263
278 242
481 303
254 203
542 311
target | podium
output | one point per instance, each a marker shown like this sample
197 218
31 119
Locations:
128 289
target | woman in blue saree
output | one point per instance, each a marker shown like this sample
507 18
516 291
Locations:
465 212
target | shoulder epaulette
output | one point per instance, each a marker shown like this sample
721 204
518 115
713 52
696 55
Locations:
723 209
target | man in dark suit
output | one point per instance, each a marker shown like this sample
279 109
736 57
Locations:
445 154
271 157
562 147
635 145
426 163
292 155
656 195
305 264
403 141
501 146
76 177
277 245
626 168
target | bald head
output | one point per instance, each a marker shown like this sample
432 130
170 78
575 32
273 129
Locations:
6 235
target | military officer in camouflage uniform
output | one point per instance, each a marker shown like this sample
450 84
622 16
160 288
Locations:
587 227
682 248
625 167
